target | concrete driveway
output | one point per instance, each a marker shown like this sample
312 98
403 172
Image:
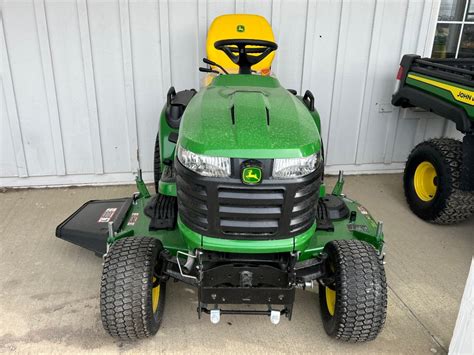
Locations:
49 289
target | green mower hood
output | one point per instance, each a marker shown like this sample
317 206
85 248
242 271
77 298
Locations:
248 116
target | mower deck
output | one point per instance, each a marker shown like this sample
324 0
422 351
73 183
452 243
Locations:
88 227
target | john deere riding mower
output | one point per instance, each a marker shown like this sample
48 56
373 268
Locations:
241 212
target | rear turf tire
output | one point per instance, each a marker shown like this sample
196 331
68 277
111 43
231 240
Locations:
132 300
157 163
354 307
449 204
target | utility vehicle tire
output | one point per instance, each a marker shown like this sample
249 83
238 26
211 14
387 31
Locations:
132 299
157 163
432 182
354 306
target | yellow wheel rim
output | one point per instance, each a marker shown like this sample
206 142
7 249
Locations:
155 296
331 300
424 181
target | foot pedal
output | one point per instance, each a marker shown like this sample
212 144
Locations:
168 174
330 208
323 222
162 210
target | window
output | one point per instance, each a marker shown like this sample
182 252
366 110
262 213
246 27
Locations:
454 37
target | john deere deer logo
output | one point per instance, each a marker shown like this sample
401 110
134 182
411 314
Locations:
240 28
252 175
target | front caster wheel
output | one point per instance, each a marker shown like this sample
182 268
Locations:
354 306
132 297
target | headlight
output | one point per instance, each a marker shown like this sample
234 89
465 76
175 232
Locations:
203 164
295 167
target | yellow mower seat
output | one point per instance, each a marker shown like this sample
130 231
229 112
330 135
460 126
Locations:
236 27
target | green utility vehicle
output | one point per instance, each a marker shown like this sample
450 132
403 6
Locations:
439 173
241 212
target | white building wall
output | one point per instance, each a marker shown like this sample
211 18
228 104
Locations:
83 82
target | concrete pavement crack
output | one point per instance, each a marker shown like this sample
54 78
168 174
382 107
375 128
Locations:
418 320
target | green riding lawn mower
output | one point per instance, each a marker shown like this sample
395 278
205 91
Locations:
241 211
439 173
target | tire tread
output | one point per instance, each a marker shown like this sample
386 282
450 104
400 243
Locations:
361 291
125 297
459 205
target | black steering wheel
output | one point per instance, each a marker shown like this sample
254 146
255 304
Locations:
246 57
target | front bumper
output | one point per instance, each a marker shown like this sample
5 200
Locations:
195 240
224 279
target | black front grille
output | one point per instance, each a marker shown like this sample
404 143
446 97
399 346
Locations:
226 208
251 212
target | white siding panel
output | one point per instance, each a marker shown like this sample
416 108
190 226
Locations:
201 35
49 86
89 80
10 113
183 22
96 74
352 60
435 128
149 90
404 139
451 131
66 54
128 84
261 7
407 122
323 60
106 41
7 152
291 29
377 125
28 82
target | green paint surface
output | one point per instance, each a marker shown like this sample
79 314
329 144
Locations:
248 116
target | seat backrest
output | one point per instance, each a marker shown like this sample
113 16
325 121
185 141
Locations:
235 27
